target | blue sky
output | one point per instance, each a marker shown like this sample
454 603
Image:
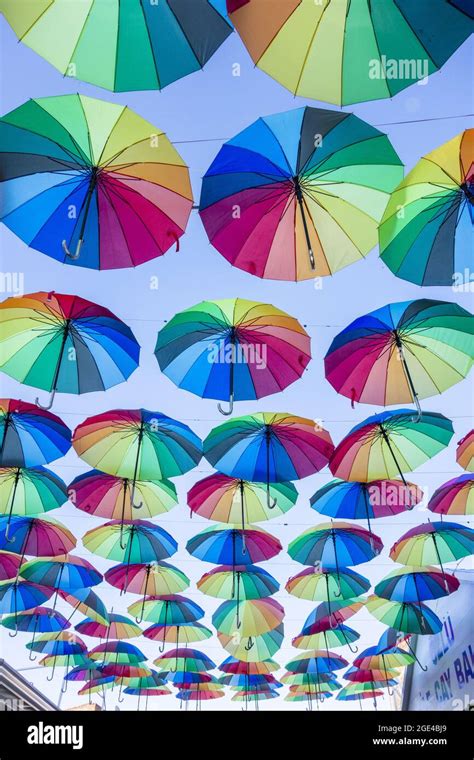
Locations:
198 113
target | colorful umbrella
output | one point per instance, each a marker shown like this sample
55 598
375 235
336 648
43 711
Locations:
130 541
67 573
30 491
21 596
299 194
91 183
340 636
327 585
59 643
345 53
392 658
137 444
250 617
456 497
166 610
389 444
433 543
316 661
232 500
189 678
465 452
353 692
117 653
309 679
252 648
370 675
233 665
33 536
365 501
97 685
10 564
408 617
186 633
137 46
268 447
244 680
64 343
85 600
335 544
154 578
184 659
402 353
331 614
119 627
416 584
233 546
239 582
84 672
426 233
30 436
233 350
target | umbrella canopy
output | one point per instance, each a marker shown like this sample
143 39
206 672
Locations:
370 675
233 665
30 436
167 610
340 636
238 582
67 573
119 627
184 659
316 661
64 343
137 46
233 350
456 497
117 652
29 491
75 659
86 672
465 452
97 685
34 536
353 692
365 501
243 680
10 564
327 585
136 541
393 658
308 679
128 184
390 444
408 617
335 544
186 633
251 617
233 546
21 596
57 644
232 500
431 242
433 543
416 584
310 186
189 678
252 648
199 695
350 52
85 600
402 352
331 614
39 620
154 578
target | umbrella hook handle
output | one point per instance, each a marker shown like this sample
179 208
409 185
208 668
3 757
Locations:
230 409
47 406
64 686
77 253
249 644
355 650
30 657
13 635
7 534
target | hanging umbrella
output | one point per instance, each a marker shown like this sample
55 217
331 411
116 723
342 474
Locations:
130 541
331 614
268 447
233 546
314 688
335 544
299 194
309 679
353 692
233 350
127 186
370 675
244 680
233 665
402 353
250 617
389 444
29 491
30 436
465 452
430 242
456 497
59 643
232 500
184 659
199 696
433 543
187 633
416 584
97 685
166 610
340 636
189 678
85 600
365 501
86 672
392 658
145 682
10 564
67 573
409 617
137 444
119 627
34 536
153 578
64 343
21 596
117 653
316 661
76 660
327 585
238 582
252 648
140 46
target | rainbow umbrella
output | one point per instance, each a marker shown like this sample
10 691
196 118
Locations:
245 680
137 444
465 452
233 350
232 500
299 194
67 573
309 679
117 653
345 53
331 614
239 582
64 343
389 444
30 436
416 584
198 696
409 617
10 564
316 661
189 678
148 691
370 675
456 497
172 609
186 633
33 536
249 617
130 541
29 491
365 501
128 187
233 665
137 46
357 692
268 447
79 658
431 242
402 353
233 546
145 682
341 635
21 596
85 600
327 585
185 659
96 685
119 627
58 643
335 544
255 694
153 578
372 658
252 648
314 688
433 543
85 672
